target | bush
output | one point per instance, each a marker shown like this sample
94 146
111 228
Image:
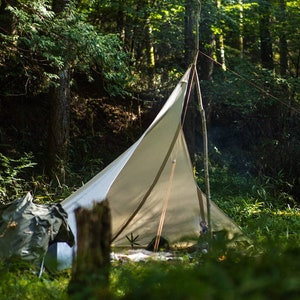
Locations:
18 281
12 181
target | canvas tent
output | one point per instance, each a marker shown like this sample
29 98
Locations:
152 182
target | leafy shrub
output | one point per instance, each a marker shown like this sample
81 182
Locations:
12 182
18 281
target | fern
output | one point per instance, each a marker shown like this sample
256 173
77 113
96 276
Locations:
12 185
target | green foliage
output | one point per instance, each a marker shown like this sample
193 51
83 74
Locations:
268 217
253 122
50 192
12 171
16 180
18 281
254 166
47 43
140 24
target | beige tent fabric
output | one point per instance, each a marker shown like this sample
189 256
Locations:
182 216
138 182
182 219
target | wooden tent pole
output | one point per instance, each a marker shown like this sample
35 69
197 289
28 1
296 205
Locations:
203 120
205 150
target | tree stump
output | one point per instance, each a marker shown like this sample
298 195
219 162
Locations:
90 270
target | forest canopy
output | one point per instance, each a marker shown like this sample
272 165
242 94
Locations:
79 80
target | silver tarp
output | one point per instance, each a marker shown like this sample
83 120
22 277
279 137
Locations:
28 229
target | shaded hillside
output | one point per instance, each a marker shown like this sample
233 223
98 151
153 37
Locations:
101 129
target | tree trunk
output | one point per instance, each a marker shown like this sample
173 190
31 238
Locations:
150 53
241 28
121 22
266 49
221 38
59 120
59 5
283 47
207 46
90 271
190 48
143 47
7 20
59 127
206 63
189 28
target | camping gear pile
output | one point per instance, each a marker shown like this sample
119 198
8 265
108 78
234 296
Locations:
27 229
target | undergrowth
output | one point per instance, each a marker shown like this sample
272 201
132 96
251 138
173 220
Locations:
20 281
266 268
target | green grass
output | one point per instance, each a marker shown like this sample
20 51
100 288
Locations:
268 276
271 274
267 269
20 281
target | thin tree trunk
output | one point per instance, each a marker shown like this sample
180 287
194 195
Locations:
121 22
266 48
140 40
206 64
59 121
191 44
221 38
189 28
59 127
283 47
241 28
150 53
207 46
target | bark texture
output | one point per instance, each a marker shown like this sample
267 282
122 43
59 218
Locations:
90 271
